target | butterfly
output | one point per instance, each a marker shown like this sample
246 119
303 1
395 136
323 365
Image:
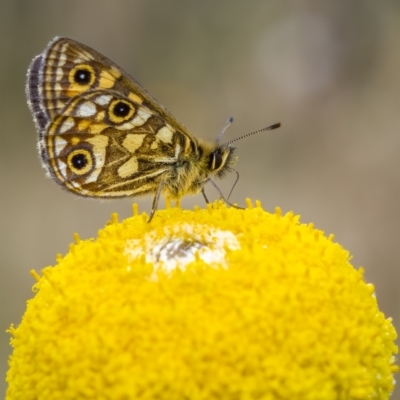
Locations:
102 135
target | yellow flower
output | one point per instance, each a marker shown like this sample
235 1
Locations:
207 304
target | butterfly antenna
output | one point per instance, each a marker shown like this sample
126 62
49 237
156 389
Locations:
268 128
227 123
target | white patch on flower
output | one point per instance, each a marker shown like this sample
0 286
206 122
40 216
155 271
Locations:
181 244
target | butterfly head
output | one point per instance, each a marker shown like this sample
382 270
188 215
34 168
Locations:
222 160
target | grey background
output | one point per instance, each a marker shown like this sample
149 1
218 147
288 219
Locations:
328 70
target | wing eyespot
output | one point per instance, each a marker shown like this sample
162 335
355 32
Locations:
80 161
120 111
82 75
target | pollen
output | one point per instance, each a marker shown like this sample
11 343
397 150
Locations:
178 246
210 304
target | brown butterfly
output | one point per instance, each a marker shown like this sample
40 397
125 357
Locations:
102 135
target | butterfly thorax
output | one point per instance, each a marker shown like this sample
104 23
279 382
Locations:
196 162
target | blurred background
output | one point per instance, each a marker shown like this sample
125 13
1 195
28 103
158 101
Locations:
329 71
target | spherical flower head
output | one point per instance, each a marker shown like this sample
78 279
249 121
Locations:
208 304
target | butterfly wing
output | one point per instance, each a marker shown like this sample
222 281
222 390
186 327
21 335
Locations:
104 145
100 133
52 81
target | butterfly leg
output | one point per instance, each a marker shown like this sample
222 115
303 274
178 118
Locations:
204 195
233 187
226 201
155 201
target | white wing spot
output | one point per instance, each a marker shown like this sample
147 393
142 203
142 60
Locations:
59 145
67 125
165 134
59 73
62 168
62 59
103 99
87 109
141 117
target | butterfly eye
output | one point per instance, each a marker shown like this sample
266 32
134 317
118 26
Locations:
215 161
80 162
83 75
120 111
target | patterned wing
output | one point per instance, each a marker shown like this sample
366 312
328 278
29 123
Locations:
105 145
67 69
